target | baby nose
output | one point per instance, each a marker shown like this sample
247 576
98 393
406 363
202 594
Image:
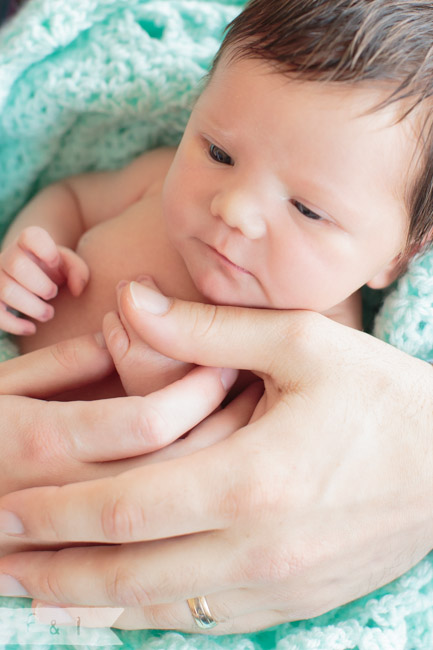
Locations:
241 211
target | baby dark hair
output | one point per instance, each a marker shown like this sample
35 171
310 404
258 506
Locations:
349 41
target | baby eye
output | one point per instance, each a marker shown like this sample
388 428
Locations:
219 155
306 211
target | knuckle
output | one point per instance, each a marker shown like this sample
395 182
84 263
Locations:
6 290
117 341
121 519
305 331
48 584
29 235
301 339
248 494
124 588
166 617
232 504
67 354
71 259
204 320
37 448
272 564
48 523
149 427
17 265
44 441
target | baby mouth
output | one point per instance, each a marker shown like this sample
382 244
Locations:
229 262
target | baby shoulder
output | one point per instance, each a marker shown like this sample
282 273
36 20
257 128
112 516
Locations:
152 165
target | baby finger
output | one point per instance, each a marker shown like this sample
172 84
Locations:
75 270
36 240
13 324
19 298
26 271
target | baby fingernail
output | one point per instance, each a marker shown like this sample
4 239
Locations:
52 293
148 299
29 329
121 284
10 523
146 279
47 314
9 586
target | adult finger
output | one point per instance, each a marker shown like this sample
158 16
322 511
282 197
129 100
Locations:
225 608
253 339
139 576
129 426
60 367
218 426
183 496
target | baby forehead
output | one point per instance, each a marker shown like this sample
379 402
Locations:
328 129
255 83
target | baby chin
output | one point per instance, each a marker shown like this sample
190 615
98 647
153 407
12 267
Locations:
219 288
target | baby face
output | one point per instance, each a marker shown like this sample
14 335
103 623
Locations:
283 194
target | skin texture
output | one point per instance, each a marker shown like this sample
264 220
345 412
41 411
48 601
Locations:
248 521
56 443
249 512
282 194
294 185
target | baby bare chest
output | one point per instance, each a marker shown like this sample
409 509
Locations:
122 248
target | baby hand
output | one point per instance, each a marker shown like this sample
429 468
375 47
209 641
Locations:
31 270
141 369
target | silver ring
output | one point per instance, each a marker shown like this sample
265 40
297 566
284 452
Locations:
201 613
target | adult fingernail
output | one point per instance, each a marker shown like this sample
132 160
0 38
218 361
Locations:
10 523
148 299
9 586
228 377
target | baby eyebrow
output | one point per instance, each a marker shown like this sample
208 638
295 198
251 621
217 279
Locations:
209 125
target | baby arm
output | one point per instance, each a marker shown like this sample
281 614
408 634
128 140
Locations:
38 256
39 248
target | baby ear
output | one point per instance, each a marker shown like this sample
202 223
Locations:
399 264
389 274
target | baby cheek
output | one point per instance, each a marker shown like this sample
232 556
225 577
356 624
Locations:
175 213
293 275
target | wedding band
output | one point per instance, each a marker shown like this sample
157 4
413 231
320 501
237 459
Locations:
201 613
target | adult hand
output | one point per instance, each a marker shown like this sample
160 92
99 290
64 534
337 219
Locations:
53 443
323 497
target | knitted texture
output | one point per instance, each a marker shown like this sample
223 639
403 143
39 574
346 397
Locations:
406 317
90 84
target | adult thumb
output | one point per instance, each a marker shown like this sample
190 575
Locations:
210 335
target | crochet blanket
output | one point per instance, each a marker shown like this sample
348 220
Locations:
90 84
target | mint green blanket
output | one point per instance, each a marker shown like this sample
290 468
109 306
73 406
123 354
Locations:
89 84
